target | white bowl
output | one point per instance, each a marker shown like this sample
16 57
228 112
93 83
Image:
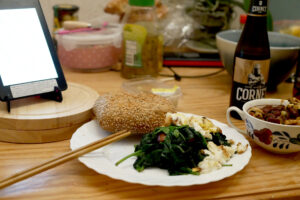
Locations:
277 138
283 48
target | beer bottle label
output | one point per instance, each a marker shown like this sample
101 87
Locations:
250 78
258 7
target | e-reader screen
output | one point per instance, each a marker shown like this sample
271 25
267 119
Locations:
23 48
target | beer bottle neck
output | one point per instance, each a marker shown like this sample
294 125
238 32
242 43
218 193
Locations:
258 8
254 42
256 22
257 17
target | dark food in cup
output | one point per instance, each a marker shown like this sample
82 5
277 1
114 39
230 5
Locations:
280 114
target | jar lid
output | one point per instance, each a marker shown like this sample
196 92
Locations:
108 35
141 2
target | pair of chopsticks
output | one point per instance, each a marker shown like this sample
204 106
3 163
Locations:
63 158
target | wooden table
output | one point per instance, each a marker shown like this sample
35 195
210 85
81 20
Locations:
267 176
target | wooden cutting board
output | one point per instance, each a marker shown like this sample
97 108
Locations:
36 120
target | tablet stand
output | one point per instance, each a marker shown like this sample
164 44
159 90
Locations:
56 95
8 105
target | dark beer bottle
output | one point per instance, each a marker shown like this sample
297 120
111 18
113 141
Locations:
296 88
252 58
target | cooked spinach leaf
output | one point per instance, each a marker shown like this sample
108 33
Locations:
177 149
219 139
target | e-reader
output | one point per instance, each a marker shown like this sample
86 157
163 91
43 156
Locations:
29 64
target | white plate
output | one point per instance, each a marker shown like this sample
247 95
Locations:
103 160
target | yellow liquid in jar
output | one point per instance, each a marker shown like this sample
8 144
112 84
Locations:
152 57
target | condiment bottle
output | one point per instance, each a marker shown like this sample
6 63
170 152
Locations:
142 43
252 58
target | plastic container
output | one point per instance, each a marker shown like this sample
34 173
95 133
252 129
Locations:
151 85
90 50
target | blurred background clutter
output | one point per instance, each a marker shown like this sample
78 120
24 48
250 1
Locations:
89 9
189 29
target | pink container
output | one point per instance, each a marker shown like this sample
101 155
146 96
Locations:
92 50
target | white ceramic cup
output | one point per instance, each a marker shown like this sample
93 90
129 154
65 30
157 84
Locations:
277 138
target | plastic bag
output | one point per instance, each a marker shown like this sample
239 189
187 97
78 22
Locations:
176 26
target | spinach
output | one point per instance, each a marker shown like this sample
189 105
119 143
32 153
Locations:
219 139
174 148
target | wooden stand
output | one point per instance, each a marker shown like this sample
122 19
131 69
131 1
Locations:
37 120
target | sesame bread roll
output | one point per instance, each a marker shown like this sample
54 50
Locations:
138 113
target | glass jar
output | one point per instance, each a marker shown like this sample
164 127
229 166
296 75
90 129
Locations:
64 12
142 43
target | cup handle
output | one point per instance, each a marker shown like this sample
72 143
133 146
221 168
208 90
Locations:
241 114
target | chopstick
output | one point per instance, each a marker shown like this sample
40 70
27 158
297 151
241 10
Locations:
63 158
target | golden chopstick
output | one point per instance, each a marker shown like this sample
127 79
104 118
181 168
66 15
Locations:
63 158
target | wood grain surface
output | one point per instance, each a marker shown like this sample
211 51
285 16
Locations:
36 120
267 176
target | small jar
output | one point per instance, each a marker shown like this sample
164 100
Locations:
142 42
64 12
91 50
